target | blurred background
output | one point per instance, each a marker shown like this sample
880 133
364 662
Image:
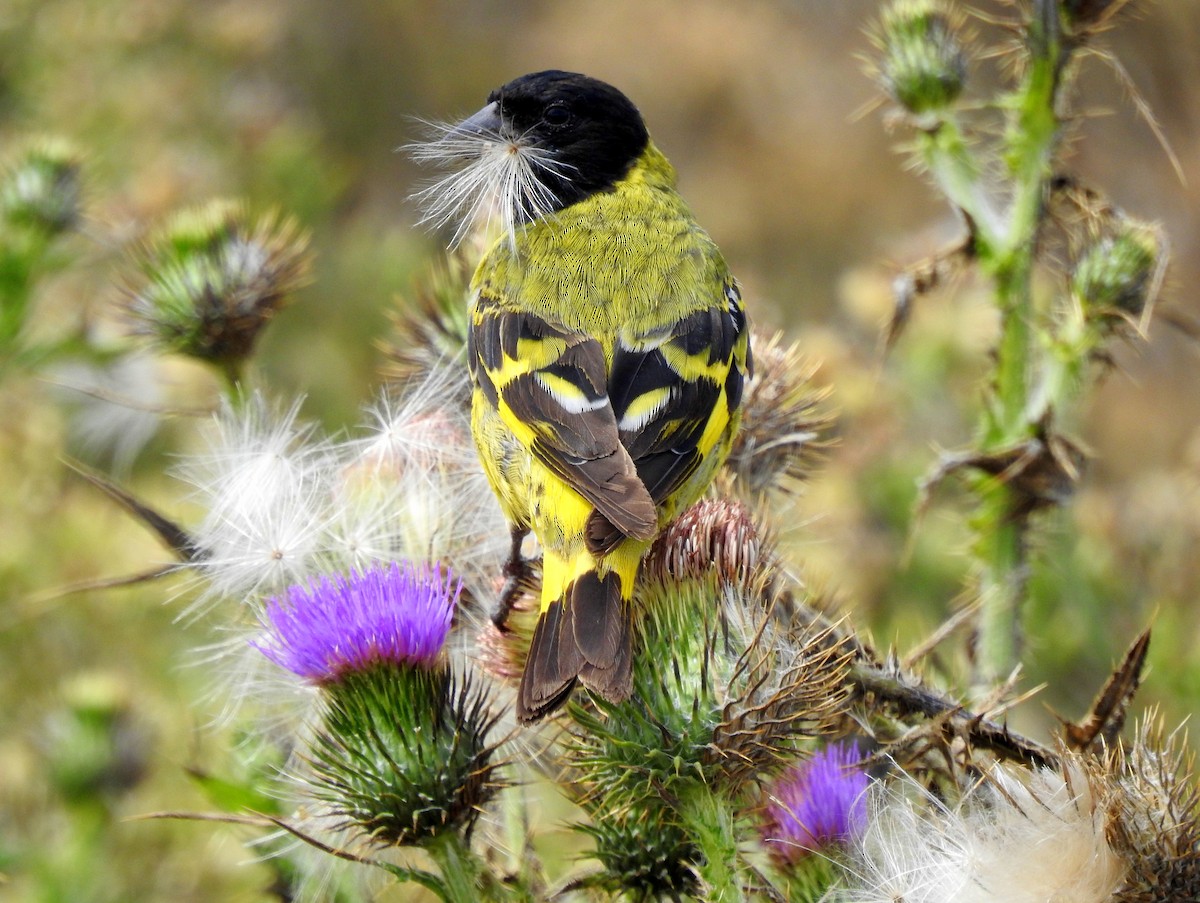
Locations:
784 154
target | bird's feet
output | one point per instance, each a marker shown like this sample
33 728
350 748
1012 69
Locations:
517 578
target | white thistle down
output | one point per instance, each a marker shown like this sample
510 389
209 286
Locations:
417 459
260 484
118 405
284 505
499 182
1020 837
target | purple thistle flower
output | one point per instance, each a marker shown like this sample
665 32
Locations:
338 625
817 802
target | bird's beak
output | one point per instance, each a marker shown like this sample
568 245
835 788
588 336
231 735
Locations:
484 125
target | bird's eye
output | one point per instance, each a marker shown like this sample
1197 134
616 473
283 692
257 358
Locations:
556 115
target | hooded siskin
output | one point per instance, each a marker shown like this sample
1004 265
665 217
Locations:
608 347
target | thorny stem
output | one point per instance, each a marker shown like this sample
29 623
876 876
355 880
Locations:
711 824
913 698
909 696
1030 143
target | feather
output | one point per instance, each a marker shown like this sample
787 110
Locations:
607 348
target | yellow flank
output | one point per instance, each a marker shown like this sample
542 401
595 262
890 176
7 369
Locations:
716 428
608 350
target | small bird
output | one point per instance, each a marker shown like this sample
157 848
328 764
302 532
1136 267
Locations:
607 350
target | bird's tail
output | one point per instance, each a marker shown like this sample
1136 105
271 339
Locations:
583 632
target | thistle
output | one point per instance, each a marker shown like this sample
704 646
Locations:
429 324
783 427
645 854
1117 275
923 67
337 626
40 192
722 691
401 755
211 279
815 804
41 189
1156 823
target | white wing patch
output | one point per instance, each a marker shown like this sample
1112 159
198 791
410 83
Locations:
567 395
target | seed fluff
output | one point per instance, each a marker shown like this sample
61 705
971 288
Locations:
499 185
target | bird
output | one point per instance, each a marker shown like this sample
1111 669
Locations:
607 348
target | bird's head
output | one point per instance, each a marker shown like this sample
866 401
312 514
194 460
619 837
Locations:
542 142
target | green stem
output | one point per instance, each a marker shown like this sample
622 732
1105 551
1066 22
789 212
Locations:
711 824
523 866
945 152
232 372
1011 417
459 868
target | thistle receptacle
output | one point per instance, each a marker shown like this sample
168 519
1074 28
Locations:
401 754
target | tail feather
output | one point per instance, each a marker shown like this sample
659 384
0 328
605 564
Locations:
585 635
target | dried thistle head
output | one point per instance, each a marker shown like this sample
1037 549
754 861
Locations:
718 535
429 324
209 281
1155 817
41 187
783 422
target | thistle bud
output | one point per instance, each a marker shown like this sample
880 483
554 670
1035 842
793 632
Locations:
41 188
712 536
212 279
1117 274
923 66
401 754
819 802
646 856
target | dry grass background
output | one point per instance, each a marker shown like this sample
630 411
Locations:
299 104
